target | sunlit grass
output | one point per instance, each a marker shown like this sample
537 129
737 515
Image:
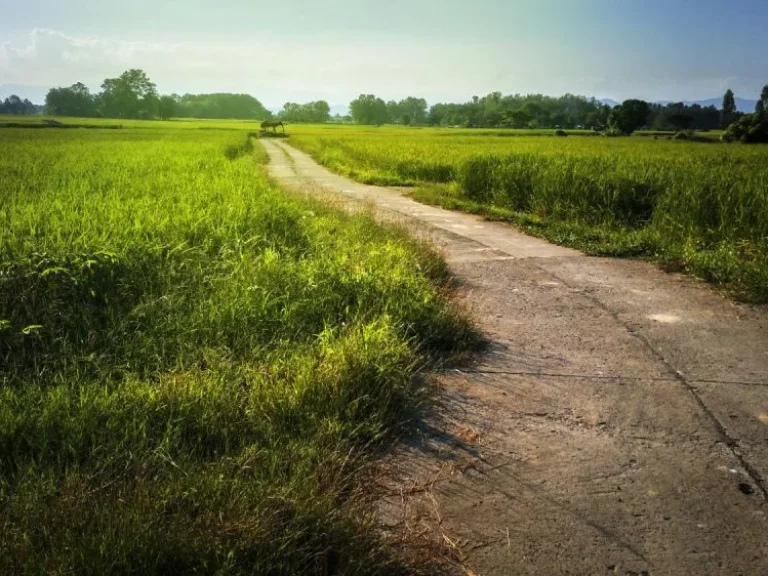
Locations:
703 206
193 364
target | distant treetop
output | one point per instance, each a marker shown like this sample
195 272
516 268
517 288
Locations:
134 95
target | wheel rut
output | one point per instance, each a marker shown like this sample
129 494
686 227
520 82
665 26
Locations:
618 423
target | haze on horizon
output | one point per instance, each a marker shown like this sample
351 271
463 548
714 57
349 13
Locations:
442 50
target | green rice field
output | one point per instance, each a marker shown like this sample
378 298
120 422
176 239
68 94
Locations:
198 368
702 207
195 366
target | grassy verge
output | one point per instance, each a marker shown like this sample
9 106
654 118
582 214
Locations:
195 366
741 268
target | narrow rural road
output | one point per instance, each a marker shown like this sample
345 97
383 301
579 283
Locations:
618 423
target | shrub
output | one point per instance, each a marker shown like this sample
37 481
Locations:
749 129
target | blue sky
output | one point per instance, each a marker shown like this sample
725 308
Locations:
438 49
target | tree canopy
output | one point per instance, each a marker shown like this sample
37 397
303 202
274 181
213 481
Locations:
134 95
15 106
728 108
762 104
496 110
629 116
521 111
221 105
751 128
680 116
729 102
410 111
76 100
167 107
130 95
318 111
369 109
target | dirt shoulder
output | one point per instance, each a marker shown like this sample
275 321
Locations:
618 423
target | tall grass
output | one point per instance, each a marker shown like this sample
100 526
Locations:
193 364
702 206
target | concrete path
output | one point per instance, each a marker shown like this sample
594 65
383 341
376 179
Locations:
617 425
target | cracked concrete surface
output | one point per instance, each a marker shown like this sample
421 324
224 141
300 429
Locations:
618 423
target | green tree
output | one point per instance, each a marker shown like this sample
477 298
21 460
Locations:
409 111
729 108
76 100
393 111
291 112
751 128
763 102
516 110
680 116
534 111
680 121
318 111
629 116
516 119
167 107
415 109
221 105
131 95
29 108
14 105
369 109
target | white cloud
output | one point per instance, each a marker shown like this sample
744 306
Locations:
274 68
280 67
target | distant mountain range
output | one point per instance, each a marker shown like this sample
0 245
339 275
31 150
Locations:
35 94
742 104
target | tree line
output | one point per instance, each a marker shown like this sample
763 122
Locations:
220 105
134 95
15 106
318 111
532 111
494 110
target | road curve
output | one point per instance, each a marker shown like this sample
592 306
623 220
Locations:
618 423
